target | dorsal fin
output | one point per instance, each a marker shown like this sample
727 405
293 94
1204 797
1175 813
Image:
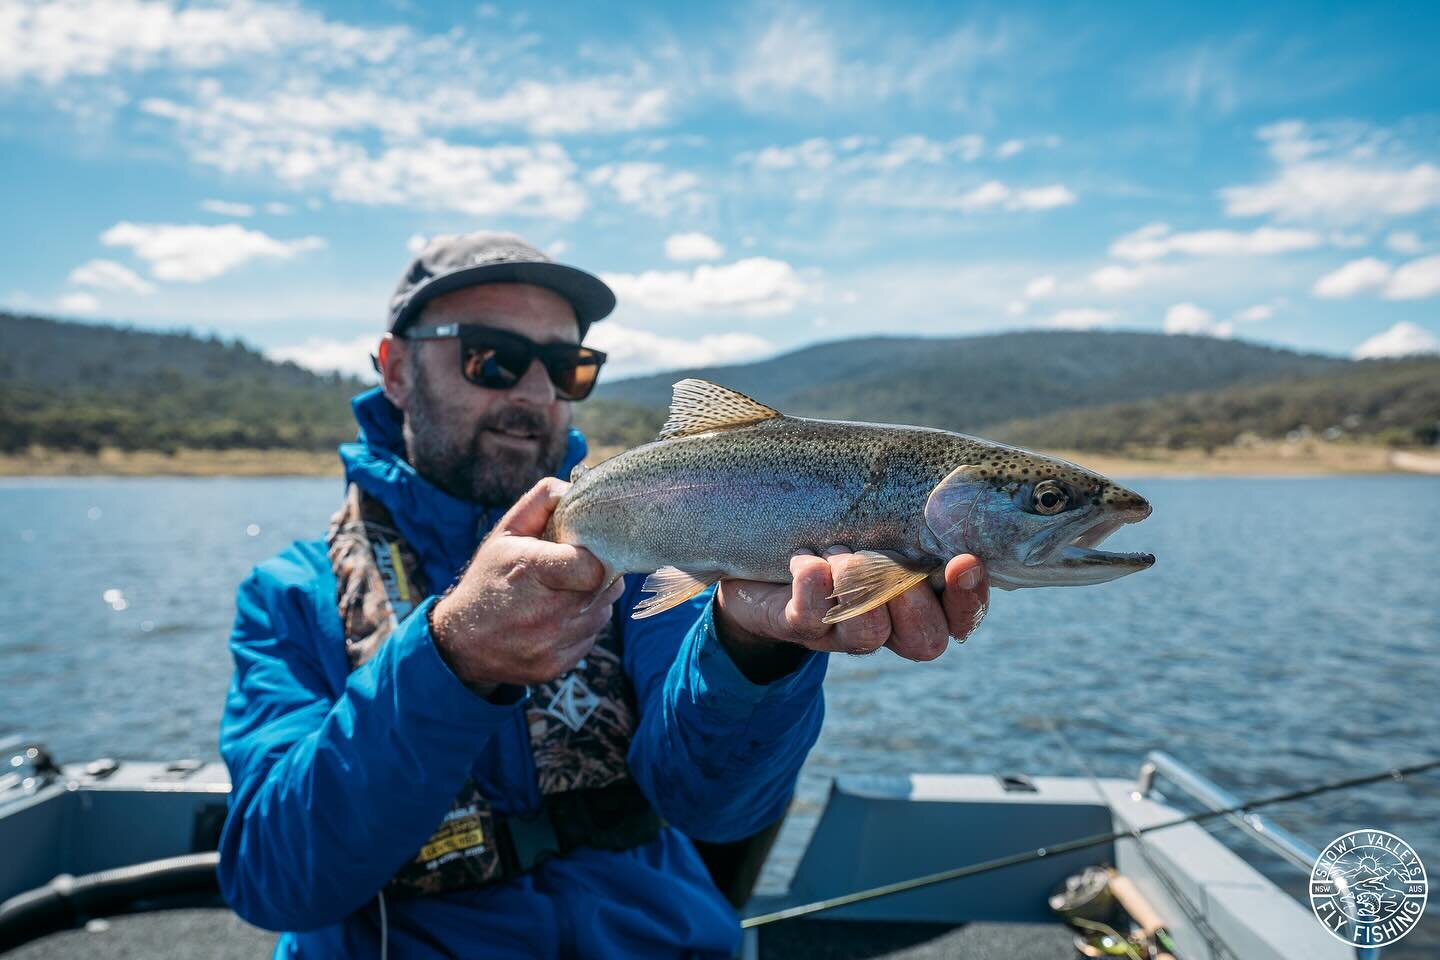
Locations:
698 406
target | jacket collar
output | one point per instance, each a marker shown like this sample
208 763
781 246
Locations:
443 530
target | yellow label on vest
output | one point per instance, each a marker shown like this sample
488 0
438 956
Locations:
460 841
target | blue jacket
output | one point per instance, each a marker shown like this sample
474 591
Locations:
339 777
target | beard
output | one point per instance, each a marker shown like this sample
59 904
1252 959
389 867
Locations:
462 456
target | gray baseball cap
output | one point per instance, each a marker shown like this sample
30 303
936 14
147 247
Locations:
469 259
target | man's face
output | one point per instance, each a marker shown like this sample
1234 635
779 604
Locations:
486 446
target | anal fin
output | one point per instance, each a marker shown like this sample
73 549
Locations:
872 579
672 587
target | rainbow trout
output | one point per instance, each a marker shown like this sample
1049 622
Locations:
733 488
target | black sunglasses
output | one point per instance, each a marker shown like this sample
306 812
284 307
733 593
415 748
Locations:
498 359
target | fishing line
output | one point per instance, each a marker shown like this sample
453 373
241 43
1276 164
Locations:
1082 843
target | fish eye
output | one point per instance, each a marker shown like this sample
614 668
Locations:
1049 498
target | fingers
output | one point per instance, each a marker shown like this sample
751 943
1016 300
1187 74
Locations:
527 518
608 596
802 612
966 596
917 619
867 632
562 566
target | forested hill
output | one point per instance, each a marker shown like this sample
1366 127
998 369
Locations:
71 386
1061 389
74 386
965 382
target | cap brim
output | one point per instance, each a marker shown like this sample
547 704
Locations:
589 296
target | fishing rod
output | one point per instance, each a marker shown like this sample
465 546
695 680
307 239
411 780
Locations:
1397 774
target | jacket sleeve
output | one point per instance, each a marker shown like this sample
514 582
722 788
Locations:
717 755
333 789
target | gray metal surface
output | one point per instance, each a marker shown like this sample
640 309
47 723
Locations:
877 830
79 823
1295 851
842 940
174 935
1185 870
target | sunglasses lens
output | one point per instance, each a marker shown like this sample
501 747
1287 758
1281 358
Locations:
496 362
574 377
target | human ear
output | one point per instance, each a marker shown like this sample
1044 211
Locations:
395 370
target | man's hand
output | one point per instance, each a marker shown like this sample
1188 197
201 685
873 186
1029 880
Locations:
766 627
526 610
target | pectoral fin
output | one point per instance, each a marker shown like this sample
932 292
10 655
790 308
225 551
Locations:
672 587
871 580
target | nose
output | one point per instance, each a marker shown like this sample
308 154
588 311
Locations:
1127 503
535 387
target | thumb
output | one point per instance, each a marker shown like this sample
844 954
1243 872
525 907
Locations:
527 518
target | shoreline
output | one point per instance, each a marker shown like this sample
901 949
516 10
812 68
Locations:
1306 458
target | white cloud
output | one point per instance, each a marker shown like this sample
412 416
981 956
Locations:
532 180
1416 279
1009 148
1352 278
328 142
416 243
1016 308
648 186
813 154
1043 198
1343 178
692 246
278 209
1410 281
1156 240
796 60
191 253
1187 318
755 286
1116 279
350 357
1404 241
795 55
863 154
54 40
78 303
634 351
991 195
1080 318
535 179
1403 339
227 209
109 275
1255 314
1042 286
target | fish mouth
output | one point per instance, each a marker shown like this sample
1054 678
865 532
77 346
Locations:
1081 550
1073 551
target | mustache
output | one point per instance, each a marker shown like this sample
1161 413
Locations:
517 419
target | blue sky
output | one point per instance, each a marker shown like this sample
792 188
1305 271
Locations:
749 177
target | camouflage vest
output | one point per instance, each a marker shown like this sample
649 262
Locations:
580 723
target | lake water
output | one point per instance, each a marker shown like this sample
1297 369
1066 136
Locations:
1287 635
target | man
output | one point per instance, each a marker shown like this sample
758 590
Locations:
446 736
